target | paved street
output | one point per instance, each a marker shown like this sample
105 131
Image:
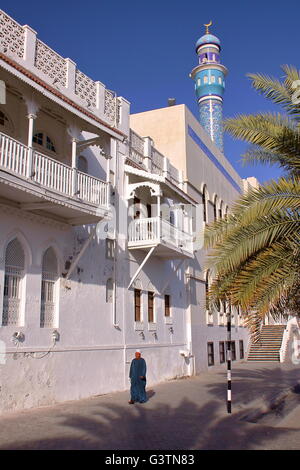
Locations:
180 414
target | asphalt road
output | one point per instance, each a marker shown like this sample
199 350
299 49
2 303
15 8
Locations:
183 414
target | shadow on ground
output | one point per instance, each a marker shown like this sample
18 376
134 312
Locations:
164 426
161 428
268 387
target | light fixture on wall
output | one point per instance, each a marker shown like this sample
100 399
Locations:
18 337
55 335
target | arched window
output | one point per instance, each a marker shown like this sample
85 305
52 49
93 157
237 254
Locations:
205 79
3 119
5 123
204 202
109 290
48 294
220 209
82 164
207 290
215 208
213 79
14 272
44 140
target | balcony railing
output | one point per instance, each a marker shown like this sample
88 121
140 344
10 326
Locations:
152 160
27 163
154 230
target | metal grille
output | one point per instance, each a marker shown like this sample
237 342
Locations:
14 271
49 277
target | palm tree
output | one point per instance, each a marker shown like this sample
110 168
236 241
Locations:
255 252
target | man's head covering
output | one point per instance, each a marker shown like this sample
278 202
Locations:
138 351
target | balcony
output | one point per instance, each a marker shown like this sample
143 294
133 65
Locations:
37 183
170 241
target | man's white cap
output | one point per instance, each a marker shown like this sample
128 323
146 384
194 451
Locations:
138 350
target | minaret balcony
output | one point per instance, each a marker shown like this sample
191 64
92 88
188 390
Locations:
170 241
39 184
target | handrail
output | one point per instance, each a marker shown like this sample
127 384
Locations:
50 173
147 229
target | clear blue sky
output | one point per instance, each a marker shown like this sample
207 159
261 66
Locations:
144 50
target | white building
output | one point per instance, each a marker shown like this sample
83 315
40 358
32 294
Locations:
98 253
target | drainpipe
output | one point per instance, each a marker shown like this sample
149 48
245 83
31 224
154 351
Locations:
116 232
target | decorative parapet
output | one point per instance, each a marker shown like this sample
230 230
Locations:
110 105
136 148
143 153
12 35
85 88
50 63
174 174
157 162
21 44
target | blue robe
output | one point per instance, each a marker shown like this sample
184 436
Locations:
138 385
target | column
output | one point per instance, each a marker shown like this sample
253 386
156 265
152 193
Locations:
74 166
158 217
166 167
148 143
31 118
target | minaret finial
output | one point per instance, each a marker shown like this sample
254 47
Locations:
207 26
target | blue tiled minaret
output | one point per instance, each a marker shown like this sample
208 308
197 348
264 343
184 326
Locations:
209 78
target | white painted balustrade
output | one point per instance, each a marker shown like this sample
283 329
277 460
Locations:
155 230
144 230
49 173
176 236
13 155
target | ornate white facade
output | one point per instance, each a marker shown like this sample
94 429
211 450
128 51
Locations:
100 247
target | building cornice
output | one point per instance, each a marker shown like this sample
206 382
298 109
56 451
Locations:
58 94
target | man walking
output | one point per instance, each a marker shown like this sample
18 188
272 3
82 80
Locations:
137 375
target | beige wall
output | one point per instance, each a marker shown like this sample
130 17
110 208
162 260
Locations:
168 127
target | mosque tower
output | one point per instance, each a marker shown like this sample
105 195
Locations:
209 78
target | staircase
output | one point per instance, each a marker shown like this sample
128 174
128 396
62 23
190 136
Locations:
268 346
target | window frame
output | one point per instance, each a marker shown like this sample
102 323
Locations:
222 353
137 293
150 309
167 306
49 292
210 354
14 279
44 145
204 203
242 349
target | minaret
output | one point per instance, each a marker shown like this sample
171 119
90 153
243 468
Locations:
209 77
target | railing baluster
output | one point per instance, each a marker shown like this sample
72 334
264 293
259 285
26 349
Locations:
5 152
50 173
